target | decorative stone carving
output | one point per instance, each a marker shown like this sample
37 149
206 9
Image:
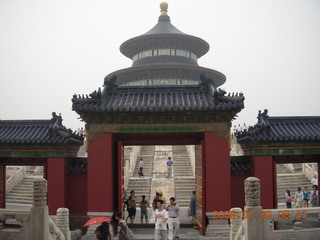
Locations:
252 191
40 192
235 222
63 221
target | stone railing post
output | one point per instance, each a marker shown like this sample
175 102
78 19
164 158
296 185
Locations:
39 215
235 222
252 209
63 222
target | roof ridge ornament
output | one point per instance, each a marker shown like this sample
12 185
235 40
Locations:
205 82
164 8
263 117
110 84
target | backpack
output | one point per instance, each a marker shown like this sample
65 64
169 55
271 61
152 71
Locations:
128 233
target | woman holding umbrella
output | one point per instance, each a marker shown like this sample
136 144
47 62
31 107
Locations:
103 231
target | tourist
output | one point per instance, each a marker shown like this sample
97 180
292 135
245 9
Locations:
103 232
314 181
169 167
141 164
306 197
122 227
288 198
160 223
173 220
298 198
192 206
155 200
314 195
144 204
131 207
162 197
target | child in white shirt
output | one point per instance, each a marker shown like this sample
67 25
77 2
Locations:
160 224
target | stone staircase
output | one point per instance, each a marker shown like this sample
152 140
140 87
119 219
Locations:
183 190
219 230
22 194
184 179
142 186
291 181
181 162
147 165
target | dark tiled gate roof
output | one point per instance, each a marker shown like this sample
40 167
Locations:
282 129
202 97
37 132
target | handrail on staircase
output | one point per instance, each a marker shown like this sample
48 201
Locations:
15 178
309 170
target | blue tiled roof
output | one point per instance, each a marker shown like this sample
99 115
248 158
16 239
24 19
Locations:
282 129
37 132
202 97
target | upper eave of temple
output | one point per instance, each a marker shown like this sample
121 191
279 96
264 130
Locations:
167 71
164 35
281 129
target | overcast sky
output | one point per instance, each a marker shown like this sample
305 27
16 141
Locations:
51 49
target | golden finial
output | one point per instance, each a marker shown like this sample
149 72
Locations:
164 8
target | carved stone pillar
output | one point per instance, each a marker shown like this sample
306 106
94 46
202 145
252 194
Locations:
40 192
39 216
235 222
63 222
252 209
252 191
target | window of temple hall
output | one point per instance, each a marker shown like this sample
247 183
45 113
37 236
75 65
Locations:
159 82
194 57
155 52
165 51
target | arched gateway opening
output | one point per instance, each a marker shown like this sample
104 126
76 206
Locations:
106 169
166 139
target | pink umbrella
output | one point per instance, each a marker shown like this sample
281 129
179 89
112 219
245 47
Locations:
97 220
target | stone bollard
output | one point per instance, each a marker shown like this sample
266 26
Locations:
39 215
252 209
63 222
235 222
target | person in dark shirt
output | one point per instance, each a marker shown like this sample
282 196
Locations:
144 204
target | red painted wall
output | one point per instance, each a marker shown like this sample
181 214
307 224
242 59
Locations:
3 183
263 169
237 191
77 194
56 177
218 179
100 174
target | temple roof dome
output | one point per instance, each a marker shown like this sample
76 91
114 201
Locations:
164 35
